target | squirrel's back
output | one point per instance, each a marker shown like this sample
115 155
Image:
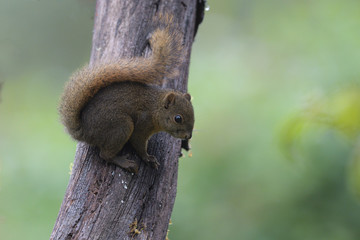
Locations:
166 45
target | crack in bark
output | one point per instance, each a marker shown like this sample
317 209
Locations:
200 12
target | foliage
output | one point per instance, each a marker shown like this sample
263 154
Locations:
338 112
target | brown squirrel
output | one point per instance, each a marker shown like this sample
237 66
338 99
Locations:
110 104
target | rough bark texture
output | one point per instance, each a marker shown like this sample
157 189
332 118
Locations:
102 201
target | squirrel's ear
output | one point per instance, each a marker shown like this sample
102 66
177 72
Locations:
187 96
169 99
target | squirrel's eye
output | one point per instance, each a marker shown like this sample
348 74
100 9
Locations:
178 118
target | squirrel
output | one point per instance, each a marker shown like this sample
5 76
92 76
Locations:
110 104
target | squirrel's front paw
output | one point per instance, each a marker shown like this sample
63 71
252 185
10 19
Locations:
152 161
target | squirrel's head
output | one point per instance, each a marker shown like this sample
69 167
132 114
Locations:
177 115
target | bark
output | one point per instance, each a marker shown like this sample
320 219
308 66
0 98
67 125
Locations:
103 201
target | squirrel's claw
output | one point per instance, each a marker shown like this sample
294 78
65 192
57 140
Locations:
152 161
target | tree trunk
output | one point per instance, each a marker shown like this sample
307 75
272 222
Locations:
103 201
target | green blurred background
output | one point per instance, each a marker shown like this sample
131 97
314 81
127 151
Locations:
277 99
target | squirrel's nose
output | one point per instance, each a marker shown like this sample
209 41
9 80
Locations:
188 136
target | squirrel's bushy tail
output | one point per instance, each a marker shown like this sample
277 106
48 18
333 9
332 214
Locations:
166 45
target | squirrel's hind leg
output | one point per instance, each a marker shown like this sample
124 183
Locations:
115 141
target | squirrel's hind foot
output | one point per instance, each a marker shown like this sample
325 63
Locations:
129 165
